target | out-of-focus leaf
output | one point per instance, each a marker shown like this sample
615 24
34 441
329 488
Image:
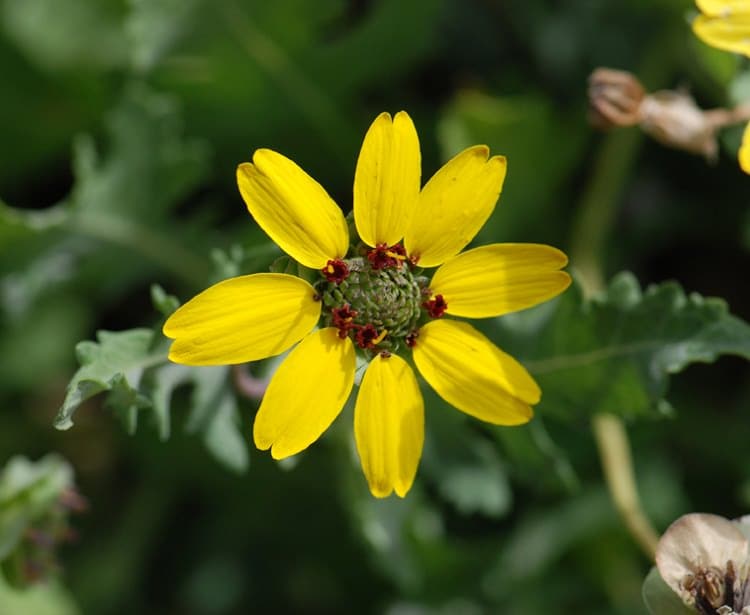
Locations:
115 364
409 28
213 409
152 28
659 597
17 224
536 458
162 301
120 200
464 466
43 334
35 501
222 433
540 539
27 491
48 598
66 33
149 167
616 352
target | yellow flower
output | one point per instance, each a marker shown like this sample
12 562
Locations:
373 298
725 24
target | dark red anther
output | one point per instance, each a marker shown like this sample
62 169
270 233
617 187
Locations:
335 271
343 319
411 339
368 336
435 307
383 256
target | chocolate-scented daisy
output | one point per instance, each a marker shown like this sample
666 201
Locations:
374 295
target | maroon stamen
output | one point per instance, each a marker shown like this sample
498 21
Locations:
368 336
411 339
335 271
343 318
435 307
383 256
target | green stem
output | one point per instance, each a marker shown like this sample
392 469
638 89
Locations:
617 463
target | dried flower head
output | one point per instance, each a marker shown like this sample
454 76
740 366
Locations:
615 98
703 558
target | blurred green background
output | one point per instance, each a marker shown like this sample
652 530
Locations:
122 124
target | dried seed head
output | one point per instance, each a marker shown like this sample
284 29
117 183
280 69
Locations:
704 559
615 98
673 119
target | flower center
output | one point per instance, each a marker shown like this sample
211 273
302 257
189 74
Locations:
376 299
712 588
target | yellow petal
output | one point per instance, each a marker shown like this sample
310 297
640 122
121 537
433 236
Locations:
731 33
454 205
500 278
293 209
468 371
716 8
386 182
389 426
744 153
305 394
241 319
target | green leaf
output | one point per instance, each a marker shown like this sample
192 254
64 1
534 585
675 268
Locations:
162 301
659 597
67 33
214 413
49 598
463 465
149 166
616 352
115 364
132 369
121 198
153 26
28 490
536 458
213 409
540 539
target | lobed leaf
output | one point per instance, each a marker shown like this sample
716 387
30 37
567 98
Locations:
616 353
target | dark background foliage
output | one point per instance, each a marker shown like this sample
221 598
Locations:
123 122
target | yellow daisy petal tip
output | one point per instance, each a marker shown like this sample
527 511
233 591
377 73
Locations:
293 209
386 179
469 372
241 319
454 204
389 426
306 394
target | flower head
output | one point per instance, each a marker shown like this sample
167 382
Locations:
373 297
725 24
704 559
